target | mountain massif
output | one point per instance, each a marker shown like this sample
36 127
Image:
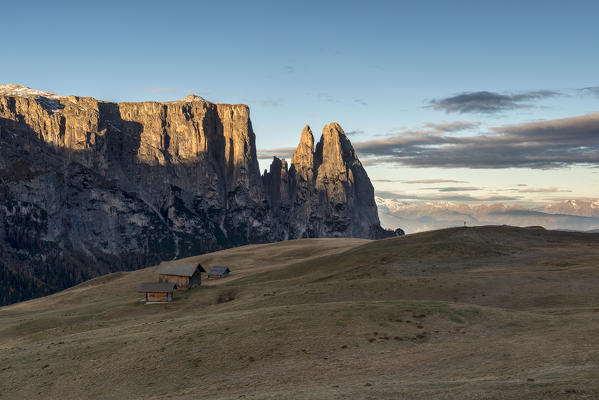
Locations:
89 187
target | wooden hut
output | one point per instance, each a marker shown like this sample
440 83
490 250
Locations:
157 292
183 275
218 272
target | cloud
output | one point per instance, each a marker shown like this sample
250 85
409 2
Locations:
488 102
394 130
434 181
281 152
386 194
544 144
440 197
369 161
592 90
454 189
432 129
361 102
543 190
354 132
452 126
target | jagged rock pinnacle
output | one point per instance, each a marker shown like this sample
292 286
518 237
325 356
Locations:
304 154
330 193
335 127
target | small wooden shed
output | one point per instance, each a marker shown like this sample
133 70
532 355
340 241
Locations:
183 275
157 292
218 272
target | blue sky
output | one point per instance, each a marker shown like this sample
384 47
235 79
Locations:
380 69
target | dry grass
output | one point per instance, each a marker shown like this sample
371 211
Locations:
477 313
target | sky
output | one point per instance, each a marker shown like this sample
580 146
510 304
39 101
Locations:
473 101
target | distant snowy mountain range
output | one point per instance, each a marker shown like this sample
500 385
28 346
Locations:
583 208
579 215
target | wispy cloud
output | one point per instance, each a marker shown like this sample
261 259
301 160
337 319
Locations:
543 190
441 197
360 102
592 90
433 181
433 129
489 102
543 144
354 132
454 126
454 189
281 152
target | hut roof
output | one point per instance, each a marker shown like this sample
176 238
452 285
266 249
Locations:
219 270
157 287
180 269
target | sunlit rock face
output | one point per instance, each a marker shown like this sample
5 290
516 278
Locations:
89 187
329 192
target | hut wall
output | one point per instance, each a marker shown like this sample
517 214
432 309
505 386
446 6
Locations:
218 276
151 296
196 279
182 282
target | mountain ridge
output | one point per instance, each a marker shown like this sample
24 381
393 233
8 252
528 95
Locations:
90 187
579 215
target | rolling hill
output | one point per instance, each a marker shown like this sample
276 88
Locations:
467 313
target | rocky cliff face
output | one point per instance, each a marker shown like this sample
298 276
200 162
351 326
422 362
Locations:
326 192
88 187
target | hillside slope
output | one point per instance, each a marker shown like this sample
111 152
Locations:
468 313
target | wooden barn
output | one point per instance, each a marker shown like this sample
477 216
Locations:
157 292
183 275
218 272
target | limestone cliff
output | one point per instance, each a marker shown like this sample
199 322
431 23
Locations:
327 191
89 187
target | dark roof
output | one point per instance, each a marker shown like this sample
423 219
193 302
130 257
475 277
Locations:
157 287
219 270
180 269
